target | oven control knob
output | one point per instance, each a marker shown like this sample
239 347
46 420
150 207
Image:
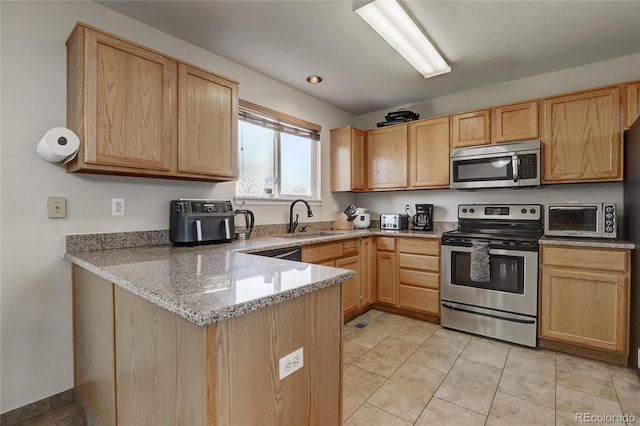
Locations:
609 229
464 210
523 211
609 209
472 210
609 215
608 223
532 211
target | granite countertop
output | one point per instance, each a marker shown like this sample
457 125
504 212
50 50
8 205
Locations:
587 242
211 283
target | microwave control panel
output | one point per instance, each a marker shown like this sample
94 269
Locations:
528 166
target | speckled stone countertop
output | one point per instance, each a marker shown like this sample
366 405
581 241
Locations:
587 242
211 283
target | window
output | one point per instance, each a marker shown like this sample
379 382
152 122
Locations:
278 155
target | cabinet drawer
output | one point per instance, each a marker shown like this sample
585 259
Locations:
419 246
386 243
319 252
350 247
605 260
420 299
422 263
420 279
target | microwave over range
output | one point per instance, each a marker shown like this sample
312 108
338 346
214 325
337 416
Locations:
504 165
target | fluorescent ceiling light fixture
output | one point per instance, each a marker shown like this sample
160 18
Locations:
390 20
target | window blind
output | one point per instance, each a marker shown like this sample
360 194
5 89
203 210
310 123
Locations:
279 122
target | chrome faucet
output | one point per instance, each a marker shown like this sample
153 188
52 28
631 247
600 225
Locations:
294 223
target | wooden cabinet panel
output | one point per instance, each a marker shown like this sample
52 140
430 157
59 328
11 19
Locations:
631 103
121 104
386 277
419 246
471 128
429 153
368 270
420 279
249 347
349 254
387 157
586 258
347 159
351 288
581 137
514 122
386 244
316 253
419 299
585 308
207 125
93 344
419 262
157 350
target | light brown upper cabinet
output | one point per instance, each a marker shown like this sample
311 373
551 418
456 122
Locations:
514 122
347 159
138 112
387 157
429 153
470 128
631 103
581 137
207 123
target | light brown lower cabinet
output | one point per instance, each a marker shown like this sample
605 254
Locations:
386 270
138 364
587 303
409 274
351 254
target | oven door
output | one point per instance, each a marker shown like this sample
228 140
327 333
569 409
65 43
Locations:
513 286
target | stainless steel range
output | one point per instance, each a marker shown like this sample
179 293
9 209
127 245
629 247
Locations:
490 272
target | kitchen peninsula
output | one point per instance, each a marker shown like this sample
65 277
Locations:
194 335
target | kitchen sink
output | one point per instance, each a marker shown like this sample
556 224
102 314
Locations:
310 234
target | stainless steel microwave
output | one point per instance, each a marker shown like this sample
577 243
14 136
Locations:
504 165
581 220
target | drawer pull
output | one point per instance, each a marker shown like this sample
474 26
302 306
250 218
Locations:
349 247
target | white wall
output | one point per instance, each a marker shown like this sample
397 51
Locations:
613 71
35 284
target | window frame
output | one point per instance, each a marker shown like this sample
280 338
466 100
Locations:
316 179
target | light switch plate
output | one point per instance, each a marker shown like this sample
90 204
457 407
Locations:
56 207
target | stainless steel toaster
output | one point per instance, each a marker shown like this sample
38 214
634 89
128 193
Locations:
394 221
201 222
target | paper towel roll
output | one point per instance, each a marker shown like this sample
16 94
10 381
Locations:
58 144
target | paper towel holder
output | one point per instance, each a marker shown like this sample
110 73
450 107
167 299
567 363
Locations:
65 148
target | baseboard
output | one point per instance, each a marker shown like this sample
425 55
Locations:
584 352
43 406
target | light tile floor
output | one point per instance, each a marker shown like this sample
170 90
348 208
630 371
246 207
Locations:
402 371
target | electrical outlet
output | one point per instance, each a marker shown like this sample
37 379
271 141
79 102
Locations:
117 207
336 207
290 363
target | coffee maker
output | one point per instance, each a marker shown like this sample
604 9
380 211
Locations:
423 219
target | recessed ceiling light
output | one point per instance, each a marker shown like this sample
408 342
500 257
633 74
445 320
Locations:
314 79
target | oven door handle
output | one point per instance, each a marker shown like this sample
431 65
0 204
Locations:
456 307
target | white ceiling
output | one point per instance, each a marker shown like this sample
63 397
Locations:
485 42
